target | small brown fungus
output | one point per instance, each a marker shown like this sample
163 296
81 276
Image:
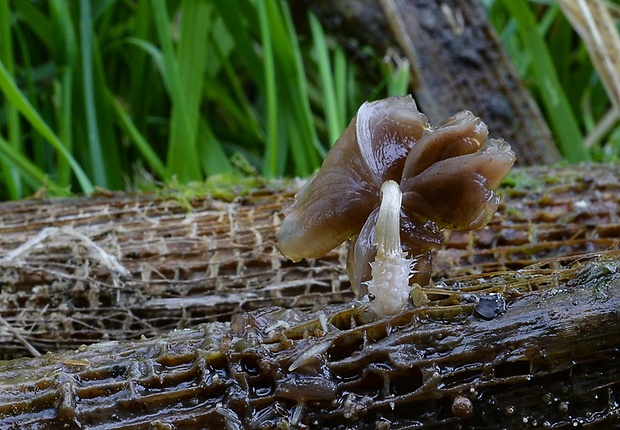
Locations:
389 185
462 407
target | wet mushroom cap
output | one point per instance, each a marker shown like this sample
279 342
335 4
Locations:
458 192
460 134
335 203
447 176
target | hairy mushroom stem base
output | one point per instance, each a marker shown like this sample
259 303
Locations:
391 269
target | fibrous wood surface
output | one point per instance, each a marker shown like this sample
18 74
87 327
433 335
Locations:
551 358
520 324
83 270
118 267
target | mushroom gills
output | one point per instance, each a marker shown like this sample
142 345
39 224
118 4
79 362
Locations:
392 268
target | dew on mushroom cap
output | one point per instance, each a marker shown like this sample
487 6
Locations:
447 176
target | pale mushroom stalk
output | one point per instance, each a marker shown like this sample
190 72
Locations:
391 269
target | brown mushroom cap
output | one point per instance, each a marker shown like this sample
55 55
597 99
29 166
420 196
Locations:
460 134
447 175
336 202
458 192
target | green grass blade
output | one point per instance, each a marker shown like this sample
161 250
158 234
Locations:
13 95
11 176
156 56
64 48
232 16
277 69
230 96
151 157
341 86
182 142
34 176
561 116
39 145
97 165
303 141
334 127
195 26
222 83
141 95
213 157
270 163
36 19
398 78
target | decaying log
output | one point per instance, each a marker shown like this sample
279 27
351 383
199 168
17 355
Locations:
544 358
519 329
457 62
119 267
78 271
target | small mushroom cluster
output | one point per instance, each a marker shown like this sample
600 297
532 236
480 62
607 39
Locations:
389 185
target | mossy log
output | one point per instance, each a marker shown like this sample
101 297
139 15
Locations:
520 327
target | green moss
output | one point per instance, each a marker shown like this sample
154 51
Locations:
226 187
598 276
514 213
552 180
520 180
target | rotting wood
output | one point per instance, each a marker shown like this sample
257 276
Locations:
457 62
548 359
521 323
63 260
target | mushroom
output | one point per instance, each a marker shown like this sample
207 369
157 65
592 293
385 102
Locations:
389 185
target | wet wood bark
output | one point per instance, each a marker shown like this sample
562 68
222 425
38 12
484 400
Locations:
520 324
550 357
114 267
457 63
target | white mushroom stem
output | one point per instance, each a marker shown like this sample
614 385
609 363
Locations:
391 269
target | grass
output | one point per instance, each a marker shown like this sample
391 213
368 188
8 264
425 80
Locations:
557 68
94 92
98 93
543 72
